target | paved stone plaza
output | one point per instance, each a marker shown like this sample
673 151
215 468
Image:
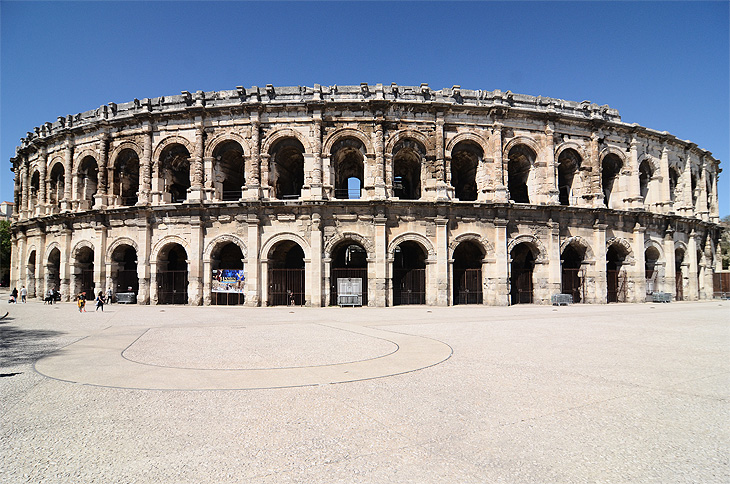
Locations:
171 394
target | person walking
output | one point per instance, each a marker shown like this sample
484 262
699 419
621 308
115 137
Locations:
81 302
23 294
14 295
109 295
100 301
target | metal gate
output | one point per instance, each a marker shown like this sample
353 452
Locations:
172 287
616 286
409 286
468 286
522 287
127 281
679 286
345 273
574 283
286 287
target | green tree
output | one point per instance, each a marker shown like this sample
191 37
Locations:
4 252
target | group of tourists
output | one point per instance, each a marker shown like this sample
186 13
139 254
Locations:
54 295
14 295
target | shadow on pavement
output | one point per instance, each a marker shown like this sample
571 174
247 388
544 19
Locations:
19 346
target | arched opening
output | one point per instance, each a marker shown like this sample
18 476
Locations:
679 274
84 272
30 274
409 274
616 290
522 267
695 191
126 177
651 257
53 270
229 177
286 275
87 181
35 183
673 182
407 159
228 284
348 274
610 168
348 162
568 164
124 270
467 270
175 171
287 170
172 275
465 159
572 277
645 174
520 161
57 185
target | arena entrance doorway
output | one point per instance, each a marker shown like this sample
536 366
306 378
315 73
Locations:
409 274
523 264
572 276
84 272
286 275
678 275
615 277
228 257
124 269
349 260
467 274
172 275
53 270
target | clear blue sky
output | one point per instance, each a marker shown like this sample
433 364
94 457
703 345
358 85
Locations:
662 65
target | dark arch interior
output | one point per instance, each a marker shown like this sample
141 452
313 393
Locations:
287 157
464 161
85 271
172 277
53 270
286 275
409 274
231 169
571 277
348 158
228 257
520 161
175 171
57 184
467 274
615 283
349 261
568 163
678 274
610 168
125 276
523 264
126 177
407 170
88 178
35 183
673 182
645 174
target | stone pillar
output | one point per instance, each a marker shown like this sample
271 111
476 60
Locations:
664 191
550 186
253 177
195 269
43 182
146 271
100 233
381 295
639 272
327 282
498 278
703 210
596 184
693 286
444 190
686 208
207 281
633 198
379 144
266 190
102 192
500 175
599 244
670 279
315 266
18 260
40 264
66 203
253 288
145 170
555 271
24 181
442 261
65 265
315 189
195 192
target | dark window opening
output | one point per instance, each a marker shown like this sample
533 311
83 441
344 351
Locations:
287 158
348 158
230 170
520 161
175 172
464 162
568 164
610 168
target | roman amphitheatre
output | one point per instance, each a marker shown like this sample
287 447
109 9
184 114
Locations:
374 195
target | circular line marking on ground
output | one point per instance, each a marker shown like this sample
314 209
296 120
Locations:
97 360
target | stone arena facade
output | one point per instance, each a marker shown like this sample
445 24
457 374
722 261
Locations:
429 197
